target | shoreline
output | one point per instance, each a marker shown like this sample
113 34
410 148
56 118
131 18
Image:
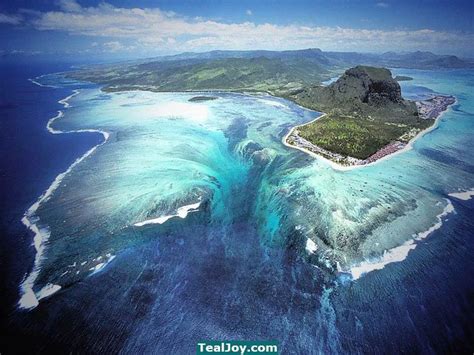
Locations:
393 148
399 146
333 164
28 298
386 152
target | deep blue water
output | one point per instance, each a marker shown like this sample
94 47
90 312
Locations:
192 281
30 158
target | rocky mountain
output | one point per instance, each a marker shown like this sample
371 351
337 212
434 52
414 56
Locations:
258 70
365 112
418 59
236 74
361 91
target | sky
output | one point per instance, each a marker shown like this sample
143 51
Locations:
144 28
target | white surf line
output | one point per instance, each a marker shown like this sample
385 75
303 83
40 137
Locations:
29 299
99 267
34 81
311 246
463 195
182 212
333 165
272 102
399 253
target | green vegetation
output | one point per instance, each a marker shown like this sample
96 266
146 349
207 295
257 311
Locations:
276 72
355 137
236 74
365 109
365 112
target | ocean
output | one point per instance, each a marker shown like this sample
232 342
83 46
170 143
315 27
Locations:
161 222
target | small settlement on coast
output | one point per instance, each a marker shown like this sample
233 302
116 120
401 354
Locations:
430 109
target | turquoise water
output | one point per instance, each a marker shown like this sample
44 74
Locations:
164 152
254 201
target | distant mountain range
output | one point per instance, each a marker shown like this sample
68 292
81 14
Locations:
419 60
259 70
364 107
415 60
220 70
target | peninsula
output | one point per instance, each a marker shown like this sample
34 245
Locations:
365 117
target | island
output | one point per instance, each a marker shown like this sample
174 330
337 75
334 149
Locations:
274 72
202 98
365 118
403 78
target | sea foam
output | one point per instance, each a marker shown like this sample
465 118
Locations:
34 81
47 291
311 246
272 103
181 212
28 298
101 266
463 195
399 253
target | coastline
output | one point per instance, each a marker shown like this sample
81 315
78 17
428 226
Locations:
28 298
386 152
398 150
394 148
31 221
333 164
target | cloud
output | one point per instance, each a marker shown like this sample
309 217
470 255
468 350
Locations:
114 46
20 52
382 5
249 12
10 19
69 5
154 30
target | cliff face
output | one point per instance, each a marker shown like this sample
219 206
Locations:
373 86
360 91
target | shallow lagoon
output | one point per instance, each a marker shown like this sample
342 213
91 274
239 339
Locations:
242 255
